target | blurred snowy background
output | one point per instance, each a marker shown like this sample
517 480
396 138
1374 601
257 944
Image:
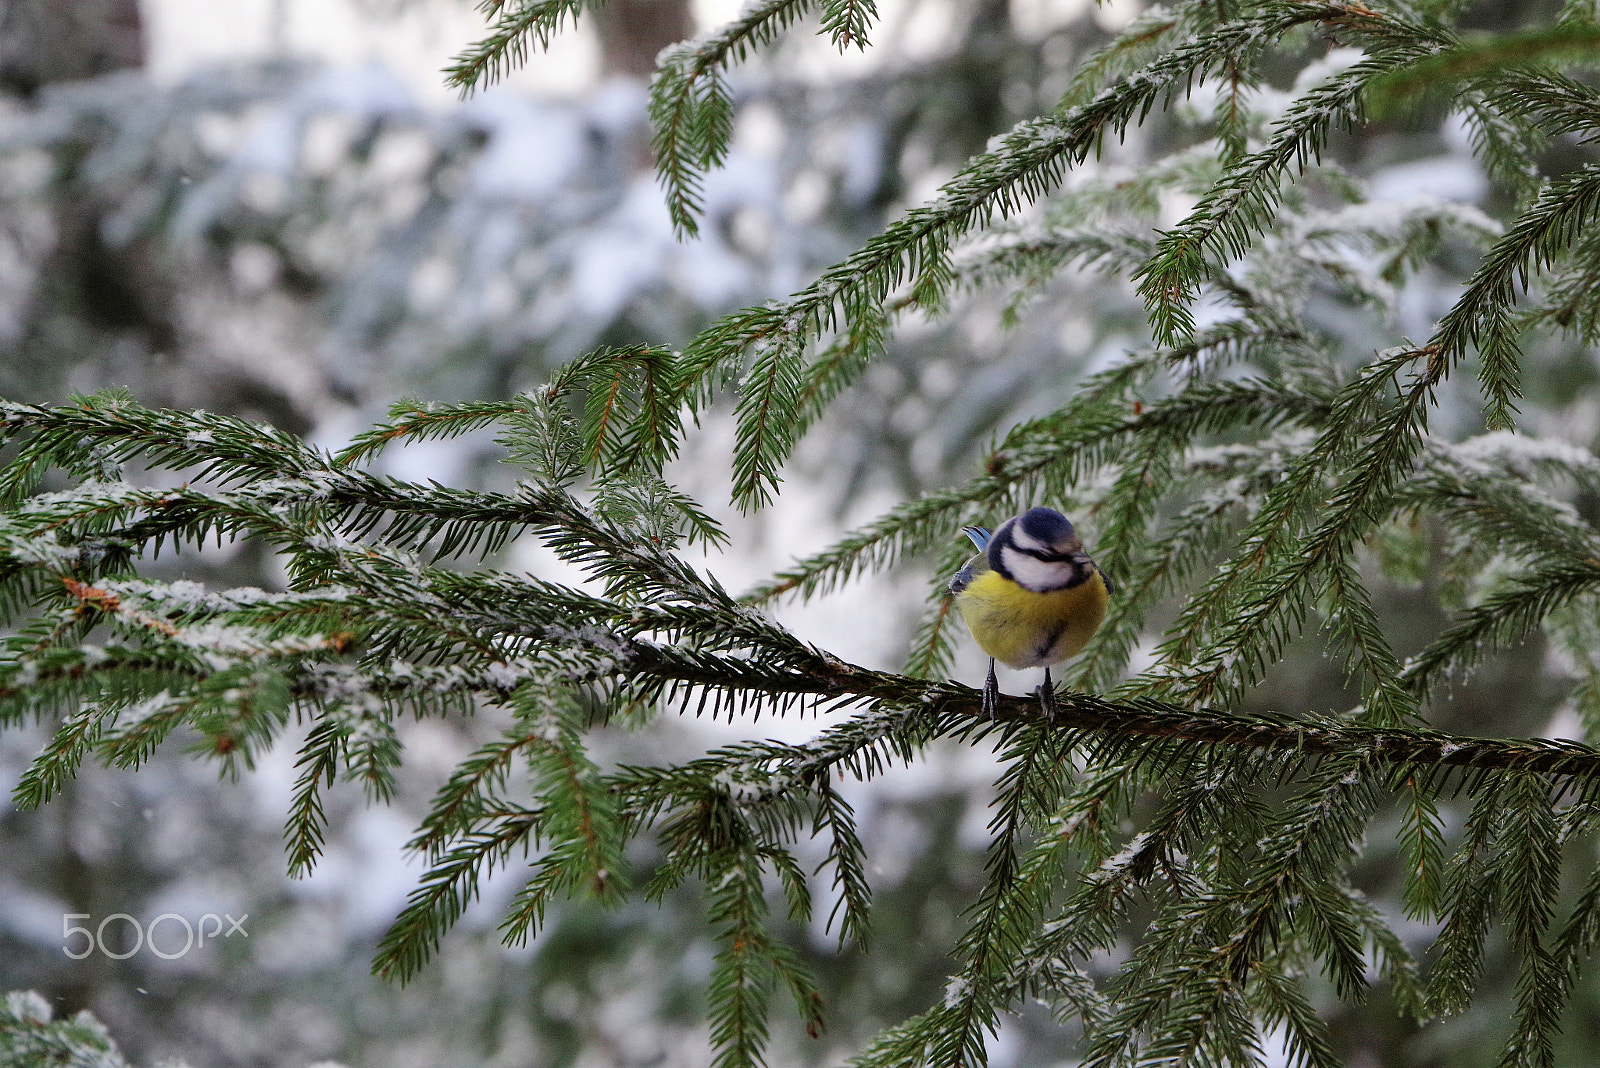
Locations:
272 208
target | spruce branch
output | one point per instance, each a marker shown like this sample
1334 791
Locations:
846 22
109 428
1507 510
1575 941
1286 1006
1385 701
1518 606
1480 317
691 111
1236 478
1015 894
1027 163
320 758
56 766
1553 102
450 885
581 824
1473 887
1568 40
1242 204
1193 538
1260 623
1422 837
518 26
412 419
1127 51
1055 450
1531 867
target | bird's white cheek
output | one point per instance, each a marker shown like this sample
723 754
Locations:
1036 574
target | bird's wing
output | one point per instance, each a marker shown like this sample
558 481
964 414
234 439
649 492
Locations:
969 571
979 535
1111 587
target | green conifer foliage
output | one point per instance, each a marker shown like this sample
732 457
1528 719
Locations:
1245 480
29 1038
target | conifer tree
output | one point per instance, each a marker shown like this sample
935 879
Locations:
1173 876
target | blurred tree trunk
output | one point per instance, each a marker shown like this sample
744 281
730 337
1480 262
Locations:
43 42
633 32
48 41
104 311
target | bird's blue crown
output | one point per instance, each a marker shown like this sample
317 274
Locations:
1046 525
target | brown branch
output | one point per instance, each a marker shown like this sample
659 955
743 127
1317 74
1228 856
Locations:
835 681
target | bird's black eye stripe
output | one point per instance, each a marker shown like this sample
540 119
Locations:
1042 555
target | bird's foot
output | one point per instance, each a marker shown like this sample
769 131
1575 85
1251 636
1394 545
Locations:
1047 698
991 696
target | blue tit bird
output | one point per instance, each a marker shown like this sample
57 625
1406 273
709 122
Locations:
1032 597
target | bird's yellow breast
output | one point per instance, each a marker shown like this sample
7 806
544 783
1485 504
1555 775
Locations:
1023 629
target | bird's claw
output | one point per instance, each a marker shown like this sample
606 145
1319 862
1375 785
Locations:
1047 698
991 696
